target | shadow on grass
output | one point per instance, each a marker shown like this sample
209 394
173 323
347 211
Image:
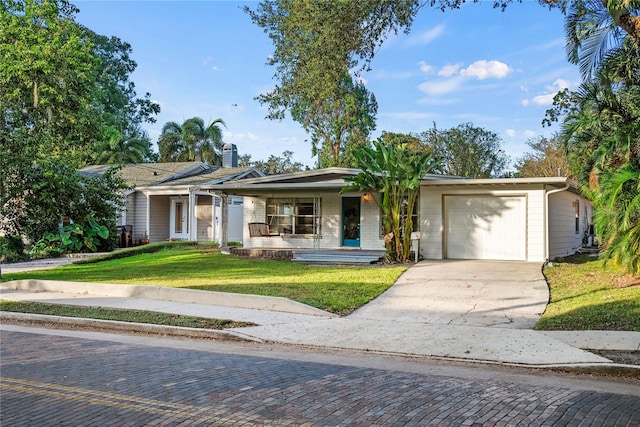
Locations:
620 315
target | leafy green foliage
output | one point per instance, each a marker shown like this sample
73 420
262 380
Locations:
121 139
192 141
64 92
274 164
547 159
316 45
601 134
617 218
11 249
467 150
71 238
392 173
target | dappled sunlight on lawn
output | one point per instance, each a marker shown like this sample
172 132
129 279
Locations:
339 289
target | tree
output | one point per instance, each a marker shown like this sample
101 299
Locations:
277 165
596 29
58 96
121 138
466 150
601 134
392 174
119 149
191 141
46 87
340 124
547 159
316 45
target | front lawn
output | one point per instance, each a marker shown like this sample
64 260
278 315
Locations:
585 295
338 289
121 315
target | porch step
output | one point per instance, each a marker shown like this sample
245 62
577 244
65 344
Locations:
332 258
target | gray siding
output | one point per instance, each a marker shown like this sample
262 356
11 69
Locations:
159 215
204 212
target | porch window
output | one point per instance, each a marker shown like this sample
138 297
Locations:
293 215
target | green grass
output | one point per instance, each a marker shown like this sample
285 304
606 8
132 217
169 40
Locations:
338 289
587 295
121 315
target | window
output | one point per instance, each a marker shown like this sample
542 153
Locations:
576 208
294 215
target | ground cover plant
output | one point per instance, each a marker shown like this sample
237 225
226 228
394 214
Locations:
121 315
338 289
588 295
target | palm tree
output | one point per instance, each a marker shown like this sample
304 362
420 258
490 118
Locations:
118 148
191 141
392 172
596 29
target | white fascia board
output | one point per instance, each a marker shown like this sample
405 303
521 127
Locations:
499 181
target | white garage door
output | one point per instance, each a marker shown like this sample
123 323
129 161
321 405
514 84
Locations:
486 227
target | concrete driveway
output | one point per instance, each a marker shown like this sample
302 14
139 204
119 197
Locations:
500 294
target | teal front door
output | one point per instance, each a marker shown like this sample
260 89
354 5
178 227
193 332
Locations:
351 221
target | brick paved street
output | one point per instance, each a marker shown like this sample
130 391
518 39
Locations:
50 380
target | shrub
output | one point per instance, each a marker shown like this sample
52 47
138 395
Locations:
11 249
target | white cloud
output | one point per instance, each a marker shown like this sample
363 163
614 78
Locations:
441 87
449 70
424 67
215 68
510 132
546 99
529 133
426 37
486 69
551 91
240 136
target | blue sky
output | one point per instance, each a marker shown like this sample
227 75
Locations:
497 70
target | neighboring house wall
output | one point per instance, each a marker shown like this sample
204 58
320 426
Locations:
137 214
569 220
331 223
159 217
235 222
204 210
433 217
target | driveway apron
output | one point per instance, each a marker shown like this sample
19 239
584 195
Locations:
501 294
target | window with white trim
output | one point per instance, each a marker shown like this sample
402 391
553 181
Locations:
298 215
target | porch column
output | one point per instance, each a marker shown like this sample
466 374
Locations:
224 211
193 221
147 221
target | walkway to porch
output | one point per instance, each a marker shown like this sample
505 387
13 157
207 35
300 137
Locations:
320 256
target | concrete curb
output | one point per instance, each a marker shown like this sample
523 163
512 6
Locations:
116 326
176 331
225 299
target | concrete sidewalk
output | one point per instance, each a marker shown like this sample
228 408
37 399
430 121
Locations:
293 323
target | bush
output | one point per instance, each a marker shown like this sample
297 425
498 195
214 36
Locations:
11 249
72 238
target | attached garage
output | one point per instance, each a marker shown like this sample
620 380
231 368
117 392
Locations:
486 227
